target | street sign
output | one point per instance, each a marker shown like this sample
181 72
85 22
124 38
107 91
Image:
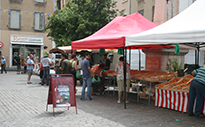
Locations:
1 44
61 92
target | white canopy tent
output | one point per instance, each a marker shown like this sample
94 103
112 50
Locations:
187 28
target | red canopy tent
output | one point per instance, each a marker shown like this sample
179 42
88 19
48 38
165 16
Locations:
113 34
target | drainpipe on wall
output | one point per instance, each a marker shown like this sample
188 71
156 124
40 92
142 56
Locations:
172 9
130 7
167 17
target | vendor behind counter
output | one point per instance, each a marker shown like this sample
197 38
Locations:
106 61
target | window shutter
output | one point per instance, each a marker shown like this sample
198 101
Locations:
39 21
40 1
15 19
42 21
15 0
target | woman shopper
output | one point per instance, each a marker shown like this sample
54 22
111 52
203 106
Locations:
74 64
120 79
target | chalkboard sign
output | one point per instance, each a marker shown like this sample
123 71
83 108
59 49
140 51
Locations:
61 92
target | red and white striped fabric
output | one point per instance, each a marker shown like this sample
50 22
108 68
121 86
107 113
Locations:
173 100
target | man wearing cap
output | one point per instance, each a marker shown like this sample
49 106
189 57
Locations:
197 91
3 65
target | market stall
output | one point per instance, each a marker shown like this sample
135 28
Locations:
174 94
187 28
112 36
147 80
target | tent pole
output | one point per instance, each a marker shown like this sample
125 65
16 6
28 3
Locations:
195 57
198 54
124 66
139 60
130 56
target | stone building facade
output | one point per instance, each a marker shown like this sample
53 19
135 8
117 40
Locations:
22 28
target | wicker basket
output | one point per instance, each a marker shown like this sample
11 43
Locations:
152 78
139 77
160 86
132 76
188 76
162 77
169 76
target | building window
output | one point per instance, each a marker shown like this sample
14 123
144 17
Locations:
141 12
40 2
123 1
15 0
14 19
39 21
114 1
59 5
153 13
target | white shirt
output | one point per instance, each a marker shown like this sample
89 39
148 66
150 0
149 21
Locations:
45 61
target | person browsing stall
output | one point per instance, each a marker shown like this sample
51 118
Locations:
97 72
65 64
87 80
120 79
197 91
45 62
106 61
74 64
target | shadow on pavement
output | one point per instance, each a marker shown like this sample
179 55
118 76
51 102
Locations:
136 114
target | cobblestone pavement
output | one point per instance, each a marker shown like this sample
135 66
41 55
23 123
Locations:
24 105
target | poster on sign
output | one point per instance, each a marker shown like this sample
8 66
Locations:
61 92
62 95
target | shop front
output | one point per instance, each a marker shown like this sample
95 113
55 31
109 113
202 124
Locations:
24 45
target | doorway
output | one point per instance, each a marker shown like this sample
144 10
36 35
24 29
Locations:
24 51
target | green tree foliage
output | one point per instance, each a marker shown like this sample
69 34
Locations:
79 19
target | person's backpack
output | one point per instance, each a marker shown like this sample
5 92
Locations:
73 71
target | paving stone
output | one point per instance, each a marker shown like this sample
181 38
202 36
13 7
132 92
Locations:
24 105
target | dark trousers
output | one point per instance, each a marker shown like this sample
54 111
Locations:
74 75
46 73
100 85
19 67
3 68
197 91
